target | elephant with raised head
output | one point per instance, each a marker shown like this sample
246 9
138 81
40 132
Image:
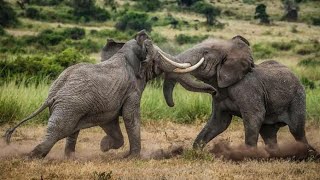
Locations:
266 96
87 95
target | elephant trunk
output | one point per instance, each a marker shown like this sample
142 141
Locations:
187 81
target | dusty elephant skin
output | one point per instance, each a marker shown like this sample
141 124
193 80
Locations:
266 96
87 95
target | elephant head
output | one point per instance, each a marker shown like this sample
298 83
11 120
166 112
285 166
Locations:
225 62
155 62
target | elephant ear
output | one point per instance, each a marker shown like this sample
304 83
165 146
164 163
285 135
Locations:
236 64
111 48
141 36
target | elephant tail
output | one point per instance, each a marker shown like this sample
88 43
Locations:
9 132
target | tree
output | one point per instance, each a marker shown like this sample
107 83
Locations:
8 16
147 5
187 3
208 10
87 9
262 14
291 10
112 3
132 20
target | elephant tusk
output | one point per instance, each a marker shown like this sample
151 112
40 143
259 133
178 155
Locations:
189 69
176 64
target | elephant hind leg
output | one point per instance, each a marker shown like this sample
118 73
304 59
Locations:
268 133
114 137
71 141
58 128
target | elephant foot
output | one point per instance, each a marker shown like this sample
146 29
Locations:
70 154
133 155
108 143
36 154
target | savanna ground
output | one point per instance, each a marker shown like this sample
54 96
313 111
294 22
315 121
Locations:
161 156
167 133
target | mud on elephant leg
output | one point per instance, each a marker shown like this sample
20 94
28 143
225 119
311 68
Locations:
114 137
218 123
70 147
131 117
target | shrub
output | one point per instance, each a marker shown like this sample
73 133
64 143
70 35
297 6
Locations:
74 33
184 39
8 16
147 5
113 34
283 46
52 65
133 21
208 10
262 51
2 31
49 37
308 83
86 9
261 14
312 62
157 38
46 2
32 13
187 3
316 21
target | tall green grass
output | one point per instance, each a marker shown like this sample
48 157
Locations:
18 101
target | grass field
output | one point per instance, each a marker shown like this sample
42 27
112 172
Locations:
158 138
167 133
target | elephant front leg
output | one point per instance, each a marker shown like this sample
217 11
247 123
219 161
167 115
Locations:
218 123
131 117
114 137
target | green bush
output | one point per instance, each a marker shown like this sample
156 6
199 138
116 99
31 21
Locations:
282 46
185 39
46 2
8 16
74 33
157 38
316 21
32 13
2 31
262 51
132 20
86 10
311 62
147 5
208 10
308 83
40 66
113 34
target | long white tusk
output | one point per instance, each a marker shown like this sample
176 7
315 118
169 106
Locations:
189 69
176 64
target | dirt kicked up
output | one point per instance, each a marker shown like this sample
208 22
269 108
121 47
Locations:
166 154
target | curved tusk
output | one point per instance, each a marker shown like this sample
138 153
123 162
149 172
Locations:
189 69
176 64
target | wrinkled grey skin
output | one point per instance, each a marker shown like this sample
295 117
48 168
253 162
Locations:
266 96
87 95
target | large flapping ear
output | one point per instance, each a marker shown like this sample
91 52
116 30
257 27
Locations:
236 64
111 48
241 39
141 36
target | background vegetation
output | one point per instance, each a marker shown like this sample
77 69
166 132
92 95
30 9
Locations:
40 38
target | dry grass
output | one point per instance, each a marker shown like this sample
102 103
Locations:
89 161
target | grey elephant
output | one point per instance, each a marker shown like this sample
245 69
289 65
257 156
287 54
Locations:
87 95
266 96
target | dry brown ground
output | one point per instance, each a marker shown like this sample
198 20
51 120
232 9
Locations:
157 138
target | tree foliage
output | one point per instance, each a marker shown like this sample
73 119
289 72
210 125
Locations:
187 3
261 14
208 10
132 20
147 5
291 9
8 17
87 10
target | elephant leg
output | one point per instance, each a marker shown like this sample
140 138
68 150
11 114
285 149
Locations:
131 117
252 124
114 137
269 135
218 123
58 128
71 141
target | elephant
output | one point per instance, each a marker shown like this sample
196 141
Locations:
87 95
266 96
